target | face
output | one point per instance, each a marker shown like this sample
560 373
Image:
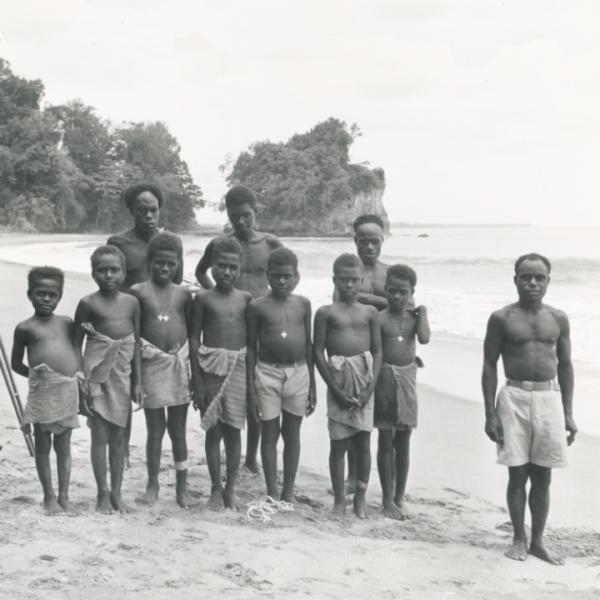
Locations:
145 211
532 280
163 266
347 281
108 273
282 280
241 218
226 269
44 296
398 292
368 240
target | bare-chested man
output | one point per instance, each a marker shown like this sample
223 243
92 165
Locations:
533 412
240 203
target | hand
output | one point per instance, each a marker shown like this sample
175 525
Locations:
312 401
363 397
571 428
85 404
199 399
493 429
418 310
26 428
137 396
344 399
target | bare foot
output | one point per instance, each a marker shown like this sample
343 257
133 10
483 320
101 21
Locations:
360 505
150 496
338 511
231 500
127 462
350 487
251 466
103 504
52 507
118 504
216 500
183 498
288 497
518 550
393 511
542 553
68 507
402 506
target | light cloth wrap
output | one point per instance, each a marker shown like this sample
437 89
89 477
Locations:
53 399
165 376
396 397
352 374
107 368
225 377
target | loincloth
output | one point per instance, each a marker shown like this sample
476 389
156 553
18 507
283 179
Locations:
396 397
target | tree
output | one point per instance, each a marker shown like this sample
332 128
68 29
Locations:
307 185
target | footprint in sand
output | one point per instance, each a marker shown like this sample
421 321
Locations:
23 500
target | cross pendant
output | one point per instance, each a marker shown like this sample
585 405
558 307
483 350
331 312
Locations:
283 334
400 338
163 318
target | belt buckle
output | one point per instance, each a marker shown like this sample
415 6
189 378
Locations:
528 386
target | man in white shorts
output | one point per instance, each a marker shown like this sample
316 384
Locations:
533 411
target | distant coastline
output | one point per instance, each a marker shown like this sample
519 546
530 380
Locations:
447 225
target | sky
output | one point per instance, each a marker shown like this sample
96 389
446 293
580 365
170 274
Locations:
478 111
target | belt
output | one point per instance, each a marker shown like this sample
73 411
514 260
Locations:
533 386
282 365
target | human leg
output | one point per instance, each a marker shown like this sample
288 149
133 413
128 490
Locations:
290 432
100 436
62 448
176 422
155 427
385 468
539 505
516 498
116 458
402 451
43 443
233 448
362 445
252 441
268 453
127 438
212 449
337 453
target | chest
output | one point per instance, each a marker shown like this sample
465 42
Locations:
534 328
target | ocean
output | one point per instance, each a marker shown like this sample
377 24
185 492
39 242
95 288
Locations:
464 273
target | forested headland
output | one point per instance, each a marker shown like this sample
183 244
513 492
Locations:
63 168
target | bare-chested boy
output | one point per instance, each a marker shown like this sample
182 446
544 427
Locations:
165 318
240 203
218 351
532 412
350 333
110 322
280 370
53 366
396 389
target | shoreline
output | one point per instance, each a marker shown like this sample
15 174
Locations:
452 545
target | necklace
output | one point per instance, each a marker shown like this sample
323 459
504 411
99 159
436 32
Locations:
283 319
163 314
400 328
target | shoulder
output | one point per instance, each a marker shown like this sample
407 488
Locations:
560 315
304 301
136 289
245 296
87 300
120 238
324 311
23 327
127 298
64 320
267 238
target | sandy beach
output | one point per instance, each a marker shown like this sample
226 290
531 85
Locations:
451 547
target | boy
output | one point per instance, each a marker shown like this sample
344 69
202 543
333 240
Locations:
280 370
54 367
532 414
165 317
110 321
241 212
396 389
219 367
350 333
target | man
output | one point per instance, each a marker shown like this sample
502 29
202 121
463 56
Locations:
532 412
144 201
240 203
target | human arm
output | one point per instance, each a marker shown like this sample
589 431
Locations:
251 358
312 390
18 352
492 348
319 337
376 353
379 302
421 324
82 315
566 375
197 320
137 394
203 266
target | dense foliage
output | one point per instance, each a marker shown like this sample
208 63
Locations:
62 168
305 183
